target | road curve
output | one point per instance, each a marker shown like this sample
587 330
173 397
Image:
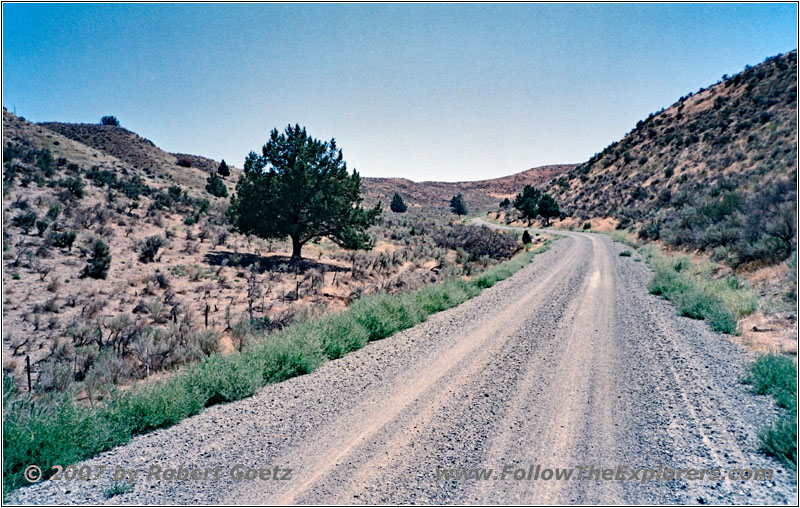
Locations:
568 363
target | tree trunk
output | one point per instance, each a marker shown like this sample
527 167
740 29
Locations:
296 246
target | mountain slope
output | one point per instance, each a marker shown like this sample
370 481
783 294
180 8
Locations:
708 173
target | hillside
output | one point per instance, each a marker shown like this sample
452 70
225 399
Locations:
478 195
716 171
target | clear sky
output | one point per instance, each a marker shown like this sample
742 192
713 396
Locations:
427 92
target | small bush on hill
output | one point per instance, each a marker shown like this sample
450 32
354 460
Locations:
149 248
457 205
25 221
97 267
109 120
61 239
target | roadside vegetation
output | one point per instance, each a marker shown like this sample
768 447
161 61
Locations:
696 293
722 301
776 375
56 429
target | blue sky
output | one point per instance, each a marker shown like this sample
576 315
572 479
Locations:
423 91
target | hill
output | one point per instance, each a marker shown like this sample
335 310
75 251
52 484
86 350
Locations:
716 171
478 195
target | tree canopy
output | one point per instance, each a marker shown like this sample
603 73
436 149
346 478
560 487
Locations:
300 187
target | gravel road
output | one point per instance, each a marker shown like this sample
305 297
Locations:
568 363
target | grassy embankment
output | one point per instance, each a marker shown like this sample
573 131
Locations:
696 293
57 430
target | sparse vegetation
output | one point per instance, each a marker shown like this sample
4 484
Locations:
62 431
697 294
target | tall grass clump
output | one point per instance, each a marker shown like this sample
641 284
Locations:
776 375
54 429
698 294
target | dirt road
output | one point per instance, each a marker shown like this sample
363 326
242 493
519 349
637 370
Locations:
568 363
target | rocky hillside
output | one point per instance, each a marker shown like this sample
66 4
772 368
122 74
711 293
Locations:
716 171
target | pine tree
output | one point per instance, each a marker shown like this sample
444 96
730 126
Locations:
300 187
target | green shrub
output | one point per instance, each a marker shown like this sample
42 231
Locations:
42 226
398 205
109 120
216 187
149 248
776 375
25 221
341 334
74 185
625 253
99 263
62 240
384 315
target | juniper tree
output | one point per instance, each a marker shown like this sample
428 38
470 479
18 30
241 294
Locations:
223 169
398 205
215 186
300 187
97 267
548 208
457 205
